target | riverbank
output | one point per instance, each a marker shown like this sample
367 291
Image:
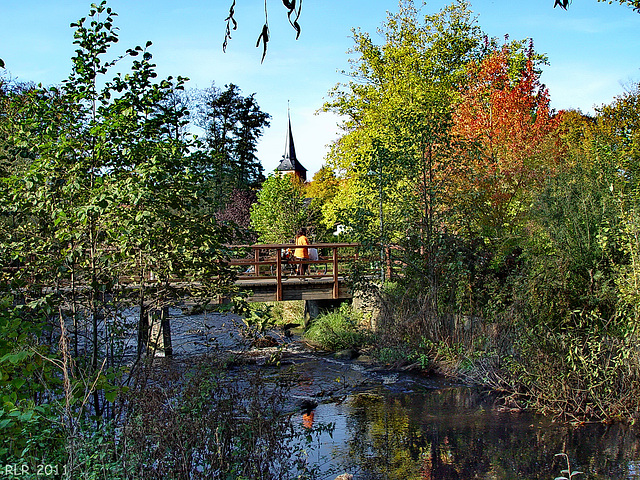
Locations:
389 423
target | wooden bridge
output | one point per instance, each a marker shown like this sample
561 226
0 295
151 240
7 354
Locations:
269 271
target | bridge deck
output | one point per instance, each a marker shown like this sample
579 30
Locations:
268 272
294 288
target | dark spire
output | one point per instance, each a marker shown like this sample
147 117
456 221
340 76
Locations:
289 162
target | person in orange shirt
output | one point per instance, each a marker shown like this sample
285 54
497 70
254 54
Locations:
302 253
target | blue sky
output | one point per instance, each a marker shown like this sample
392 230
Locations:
593 49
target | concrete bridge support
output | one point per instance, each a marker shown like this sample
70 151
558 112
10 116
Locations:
313 308
160 332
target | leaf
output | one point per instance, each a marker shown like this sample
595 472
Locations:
111 395
18 383
297 28
15 357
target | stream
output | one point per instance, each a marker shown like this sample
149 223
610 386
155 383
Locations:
403 425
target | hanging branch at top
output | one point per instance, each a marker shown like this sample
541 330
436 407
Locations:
291 5
230 19
294 8
264 35
635 4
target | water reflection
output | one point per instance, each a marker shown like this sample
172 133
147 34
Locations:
458 433
406 427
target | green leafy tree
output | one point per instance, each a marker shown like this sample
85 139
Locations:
109 198
395 158
280 210
14 101
619 128
321 191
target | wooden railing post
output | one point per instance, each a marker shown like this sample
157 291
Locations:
165 323
279 274
335 273
256 257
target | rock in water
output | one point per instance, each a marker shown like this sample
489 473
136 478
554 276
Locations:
348 354
265 342
307 404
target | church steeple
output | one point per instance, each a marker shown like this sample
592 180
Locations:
289 162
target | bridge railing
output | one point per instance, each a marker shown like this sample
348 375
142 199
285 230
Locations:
276 261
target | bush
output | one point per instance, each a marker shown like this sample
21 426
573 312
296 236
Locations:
339 330
214 424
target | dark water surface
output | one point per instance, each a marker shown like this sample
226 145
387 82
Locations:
403 426
390 425
456 434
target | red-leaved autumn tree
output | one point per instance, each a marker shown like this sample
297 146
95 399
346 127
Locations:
507 133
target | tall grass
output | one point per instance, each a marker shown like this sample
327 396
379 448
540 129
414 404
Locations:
339 330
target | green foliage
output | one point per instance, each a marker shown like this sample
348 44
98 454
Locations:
111 190
321 191
29 423
569 474
555 272
392 355
280 210
98 190
258 318
582 241
283 313
338 329
572 259
398 110
576 355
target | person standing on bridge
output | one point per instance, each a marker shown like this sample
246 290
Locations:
302 254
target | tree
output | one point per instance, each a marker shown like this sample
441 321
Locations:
280 210
108 193
237 213
15 99
618 140
508 148
321 191
394 158
233 124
